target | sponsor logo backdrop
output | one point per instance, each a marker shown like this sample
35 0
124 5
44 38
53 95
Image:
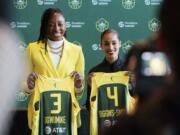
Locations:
134 20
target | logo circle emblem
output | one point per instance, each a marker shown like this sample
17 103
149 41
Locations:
75 4
48 130
127 46
20 4
147 2
21 97
128 4
95 47
13 25
102 25
154 25
107 123
121 24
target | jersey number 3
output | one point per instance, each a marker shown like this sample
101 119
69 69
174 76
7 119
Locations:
57 103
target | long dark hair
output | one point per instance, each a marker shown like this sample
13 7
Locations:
48 13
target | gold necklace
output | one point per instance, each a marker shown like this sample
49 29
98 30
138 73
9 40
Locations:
55 48
59 52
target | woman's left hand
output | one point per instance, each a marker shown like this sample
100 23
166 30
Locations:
132 78
78 79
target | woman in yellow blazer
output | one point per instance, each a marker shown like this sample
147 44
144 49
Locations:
71 61
52 55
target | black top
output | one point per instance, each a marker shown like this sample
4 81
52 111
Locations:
106 67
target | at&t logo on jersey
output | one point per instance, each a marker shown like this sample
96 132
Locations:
48 130
75 4
107 123
55 130
102 25
154 25
20 4
128 4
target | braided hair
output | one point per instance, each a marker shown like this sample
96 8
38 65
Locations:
48 13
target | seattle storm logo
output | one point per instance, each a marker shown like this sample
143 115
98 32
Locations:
21 97
20 4
102 25
128 4
154 25
75 4
127 46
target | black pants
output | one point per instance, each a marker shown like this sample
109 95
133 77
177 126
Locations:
19 123
85 123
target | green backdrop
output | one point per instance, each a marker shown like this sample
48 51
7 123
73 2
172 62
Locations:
134 20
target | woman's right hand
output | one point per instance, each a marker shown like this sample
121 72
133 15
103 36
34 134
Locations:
31 80
90 75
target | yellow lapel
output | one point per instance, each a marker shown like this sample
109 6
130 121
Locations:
48 60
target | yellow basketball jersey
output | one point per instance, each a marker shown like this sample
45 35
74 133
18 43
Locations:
109 98
53 108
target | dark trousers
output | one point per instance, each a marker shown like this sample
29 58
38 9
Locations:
85 123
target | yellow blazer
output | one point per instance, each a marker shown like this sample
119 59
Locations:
72 60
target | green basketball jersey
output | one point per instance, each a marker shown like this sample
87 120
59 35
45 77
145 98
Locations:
53 108
109 98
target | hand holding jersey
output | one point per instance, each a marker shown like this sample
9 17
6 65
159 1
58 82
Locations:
131 75
78 81
109 98
90 75
31 80
52 55
53 108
